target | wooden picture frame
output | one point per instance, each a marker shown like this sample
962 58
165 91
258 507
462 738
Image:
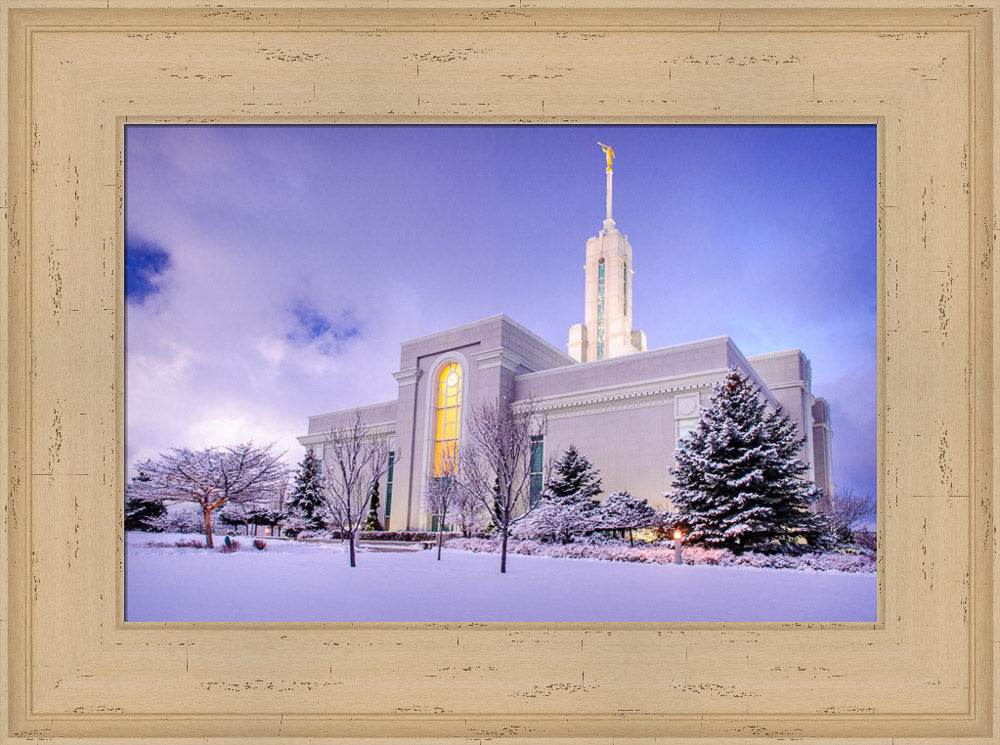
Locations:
76 72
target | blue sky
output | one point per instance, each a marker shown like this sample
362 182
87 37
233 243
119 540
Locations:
271 272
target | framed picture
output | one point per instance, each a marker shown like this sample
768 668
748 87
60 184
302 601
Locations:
303 255
75 77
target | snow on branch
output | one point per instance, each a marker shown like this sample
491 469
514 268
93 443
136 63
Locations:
212 477
354 460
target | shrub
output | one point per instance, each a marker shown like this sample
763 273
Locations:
259 543
663 554
188 543
230 545
179 521
867 539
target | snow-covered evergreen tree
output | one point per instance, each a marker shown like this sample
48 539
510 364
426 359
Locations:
567 507
305 508
738 480
141 514
573 474
372 523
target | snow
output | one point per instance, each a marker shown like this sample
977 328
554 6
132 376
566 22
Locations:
291 581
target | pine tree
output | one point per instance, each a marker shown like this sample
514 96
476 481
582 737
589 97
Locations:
305 508
573 474
567 507
141 512
738 480
372 523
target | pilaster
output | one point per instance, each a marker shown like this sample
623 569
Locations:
403 471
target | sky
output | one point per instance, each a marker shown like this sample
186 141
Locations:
272 271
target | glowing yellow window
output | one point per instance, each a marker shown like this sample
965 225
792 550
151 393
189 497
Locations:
447 420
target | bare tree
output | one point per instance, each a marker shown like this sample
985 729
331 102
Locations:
353 462
495 463
846 511
442 492
212 477
468 512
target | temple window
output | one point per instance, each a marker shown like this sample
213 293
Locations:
446 427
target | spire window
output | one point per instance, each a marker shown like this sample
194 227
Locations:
600 309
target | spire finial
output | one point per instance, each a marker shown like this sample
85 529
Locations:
609 154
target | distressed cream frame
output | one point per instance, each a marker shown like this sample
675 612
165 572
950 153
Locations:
76 70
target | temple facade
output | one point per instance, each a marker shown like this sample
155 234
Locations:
623 406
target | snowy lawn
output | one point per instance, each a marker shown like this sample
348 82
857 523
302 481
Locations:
292 581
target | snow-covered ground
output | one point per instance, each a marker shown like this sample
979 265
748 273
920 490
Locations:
292 581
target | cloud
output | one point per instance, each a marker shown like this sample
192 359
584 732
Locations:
146 263
314 327
238 347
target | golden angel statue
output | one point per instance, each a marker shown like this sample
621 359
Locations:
608 153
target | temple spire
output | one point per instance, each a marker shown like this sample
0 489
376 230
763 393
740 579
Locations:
606 330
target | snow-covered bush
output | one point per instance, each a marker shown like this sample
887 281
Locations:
621 511
180 543
557 518
179 521
297 526
866 539
664 554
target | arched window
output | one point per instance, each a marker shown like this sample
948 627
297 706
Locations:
449 397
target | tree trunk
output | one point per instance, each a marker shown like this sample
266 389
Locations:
630 537
440 539
350 539
208 528
503 548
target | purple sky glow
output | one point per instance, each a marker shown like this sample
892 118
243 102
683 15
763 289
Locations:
273 270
